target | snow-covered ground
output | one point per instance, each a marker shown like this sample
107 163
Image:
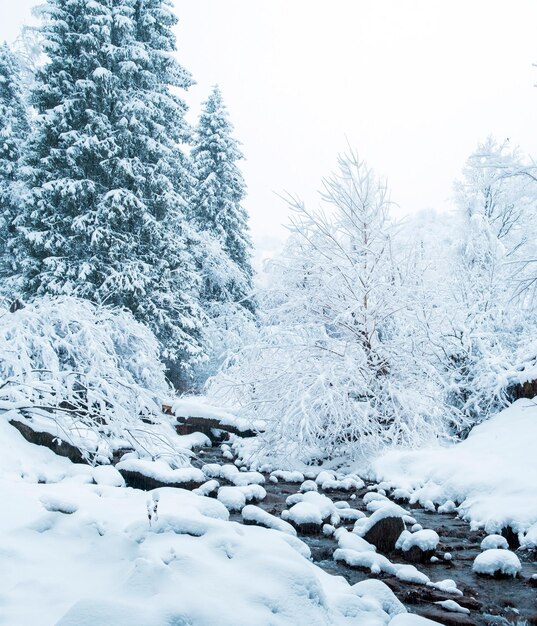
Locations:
491 475
78 549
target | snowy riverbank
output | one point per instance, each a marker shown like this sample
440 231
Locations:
491 475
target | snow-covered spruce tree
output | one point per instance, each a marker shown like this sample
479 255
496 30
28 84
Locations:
223 243
14 130
105 220
337 368
217 208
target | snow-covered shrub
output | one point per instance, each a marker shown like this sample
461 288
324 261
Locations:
89 374
338 366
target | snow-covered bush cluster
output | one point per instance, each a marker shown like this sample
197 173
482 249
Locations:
90 375
378 332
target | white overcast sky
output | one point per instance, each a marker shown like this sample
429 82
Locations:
413 85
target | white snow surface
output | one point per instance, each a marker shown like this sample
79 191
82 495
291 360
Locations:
494 541
103 562
490 475
253 513
425 540
496 561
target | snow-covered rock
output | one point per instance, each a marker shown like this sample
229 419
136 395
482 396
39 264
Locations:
494 542
383 527
252 514
454 607
148 474
495 561
372 561
288 476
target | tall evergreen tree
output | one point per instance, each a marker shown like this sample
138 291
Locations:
106 219
14 129
217 206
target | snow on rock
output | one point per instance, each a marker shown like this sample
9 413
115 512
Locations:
495 561
490 474
308 485
158 473
352 541
401 494
252 514
368 560
288 476
328 530
383 527
233 498
494 541
254 493
197 406
373 588
344 484
242 479
305 516
426 540
528 540
208 488
418 547
108 475
454 607
409 574
447 585
323 504
371 496
342 504
448 507
325 475
350 515
194 440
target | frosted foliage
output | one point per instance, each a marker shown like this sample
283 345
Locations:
478 324
337 364
87 373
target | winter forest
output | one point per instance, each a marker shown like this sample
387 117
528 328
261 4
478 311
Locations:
195 433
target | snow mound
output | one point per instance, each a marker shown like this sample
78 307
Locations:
454 607
303 513
496 561
494 542
254 514
425 540
189 565
372 561
380 591
108 475
490 474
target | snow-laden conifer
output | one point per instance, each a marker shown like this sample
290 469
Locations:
105 220
14 129
217 208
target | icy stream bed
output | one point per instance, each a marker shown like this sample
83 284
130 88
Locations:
489 600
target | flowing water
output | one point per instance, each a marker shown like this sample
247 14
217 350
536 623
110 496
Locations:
490 600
